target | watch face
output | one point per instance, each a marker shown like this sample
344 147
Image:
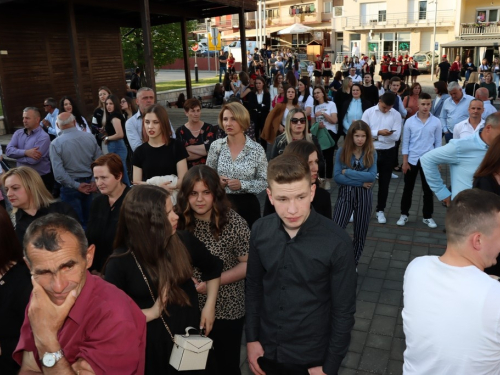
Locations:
49 360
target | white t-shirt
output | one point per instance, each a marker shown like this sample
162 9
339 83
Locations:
464 129
451 320
309 103
329 108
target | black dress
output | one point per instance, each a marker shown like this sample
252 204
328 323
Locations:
124 273
101 228
23 220
15 290
489 183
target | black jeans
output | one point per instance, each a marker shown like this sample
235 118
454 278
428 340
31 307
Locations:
385 163
227 344
410 178
328 155
271 367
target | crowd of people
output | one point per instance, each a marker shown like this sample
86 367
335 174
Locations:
158 229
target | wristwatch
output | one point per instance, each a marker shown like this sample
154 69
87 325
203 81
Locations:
50 359
106 138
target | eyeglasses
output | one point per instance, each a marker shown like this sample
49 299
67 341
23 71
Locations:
295 121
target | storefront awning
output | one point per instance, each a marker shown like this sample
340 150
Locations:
251 33
471 43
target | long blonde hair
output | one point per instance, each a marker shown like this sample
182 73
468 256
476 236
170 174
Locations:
288 127
38 194
349 145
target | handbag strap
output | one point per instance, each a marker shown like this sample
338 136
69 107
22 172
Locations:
152 295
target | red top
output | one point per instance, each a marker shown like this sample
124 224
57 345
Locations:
455 67
394 68
405 67
230 61
328 64
319 64
105 327
384 68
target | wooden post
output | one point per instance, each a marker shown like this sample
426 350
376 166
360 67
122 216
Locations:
185 55
75 56
243 38
149 67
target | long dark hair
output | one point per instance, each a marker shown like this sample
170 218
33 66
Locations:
264 84
221 205
302 148
116 103
144 229
305 81
75 111
291 79
295 100
325 97
162 114
12 250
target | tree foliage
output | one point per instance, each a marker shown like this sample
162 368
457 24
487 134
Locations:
166 40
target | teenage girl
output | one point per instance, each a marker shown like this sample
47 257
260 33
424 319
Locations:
355 172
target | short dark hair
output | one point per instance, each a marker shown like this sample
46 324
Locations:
472 210
395 79
191 104
424 96
52 102
442 87
388 98
44 233
285 169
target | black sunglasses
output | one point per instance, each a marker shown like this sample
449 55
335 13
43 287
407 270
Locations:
297 120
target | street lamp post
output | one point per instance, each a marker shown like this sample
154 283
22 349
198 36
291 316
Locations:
434 44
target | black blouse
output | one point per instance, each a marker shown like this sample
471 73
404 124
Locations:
123 272
101 228
15 290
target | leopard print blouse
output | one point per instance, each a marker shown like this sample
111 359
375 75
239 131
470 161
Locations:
234 242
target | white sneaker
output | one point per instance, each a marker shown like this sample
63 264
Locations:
394 175
351 219
402 220
328 186
381 217
377 176
430 223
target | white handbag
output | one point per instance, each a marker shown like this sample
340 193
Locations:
190 352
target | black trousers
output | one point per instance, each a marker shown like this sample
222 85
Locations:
328 155
247 205
271 367
226 334
385 163
410 178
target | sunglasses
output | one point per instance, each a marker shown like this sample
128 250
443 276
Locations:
298 120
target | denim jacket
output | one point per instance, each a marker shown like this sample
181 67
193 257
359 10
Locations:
352 177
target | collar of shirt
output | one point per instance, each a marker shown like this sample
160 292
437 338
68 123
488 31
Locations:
69 130
138 115
34 131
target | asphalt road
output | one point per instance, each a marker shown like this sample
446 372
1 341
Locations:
177 75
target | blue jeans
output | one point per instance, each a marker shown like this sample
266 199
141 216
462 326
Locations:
79 202
222 69
118 147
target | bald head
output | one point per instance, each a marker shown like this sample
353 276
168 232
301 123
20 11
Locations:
65 120
482 94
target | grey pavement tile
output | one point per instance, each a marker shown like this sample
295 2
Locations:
382 254
379 341
364 309
419 250
346 371
399 332
374 361
436 251
387 310
391 297
367 296
372 284
351 360
365 259
388 236
384 246
394 368
398 263
383 325
392 284
396 274
378 274
379 264
362 268
362 324
397 348
358 339
400 255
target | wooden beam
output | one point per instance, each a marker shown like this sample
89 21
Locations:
243 38
149 67
185 53
75 56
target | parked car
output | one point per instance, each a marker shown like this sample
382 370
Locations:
424 60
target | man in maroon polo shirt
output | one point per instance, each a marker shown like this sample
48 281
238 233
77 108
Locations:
75 322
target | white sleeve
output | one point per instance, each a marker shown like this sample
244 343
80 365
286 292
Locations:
332 108
309 102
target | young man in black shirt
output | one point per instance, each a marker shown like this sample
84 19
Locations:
301 281
443 69
222 63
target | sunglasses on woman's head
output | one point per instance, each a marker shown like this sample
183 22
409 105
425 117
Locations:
297 120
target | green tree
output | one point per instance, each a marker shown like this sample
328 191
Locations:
167 44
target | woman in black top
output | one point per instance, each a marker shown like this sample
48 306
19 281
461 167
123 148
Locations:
115 133
370 91
160 154
103 220
30 198
308 152
15 290
148 246
472 84
344 93
259 105
487 177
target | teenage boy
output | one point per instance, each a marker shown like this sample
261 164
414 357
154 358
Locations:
422 134
300 283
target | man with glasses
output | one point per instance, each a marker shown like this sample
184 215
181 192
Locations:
49 122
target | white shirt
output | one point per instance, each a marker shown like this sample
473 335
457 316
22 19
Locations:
356 78
379 121
87 127
329 108
309 103
451 320
464 129
419 137
488 109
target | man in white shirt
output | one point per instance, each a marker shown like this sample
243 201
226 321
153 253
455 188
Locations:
483 95
451 309
385 124
471 125
49 122
355 50
356 78
422 133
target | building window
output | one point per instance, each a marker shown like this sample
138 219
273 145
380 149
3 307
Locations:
487 15
382 15
327 7
493 15
422 10
273 13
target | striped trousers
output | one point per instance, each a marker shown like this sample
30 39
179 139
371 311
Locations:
357 200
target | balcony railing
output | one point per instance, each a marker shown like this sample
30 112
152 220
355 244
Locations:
414 19
326 16
483 28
